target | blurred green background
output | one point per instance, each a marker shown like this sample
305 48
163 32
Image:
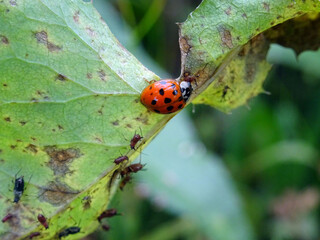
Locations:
253 174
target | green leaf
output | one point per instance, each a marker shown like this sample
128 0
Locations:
69 104
216 36
241 79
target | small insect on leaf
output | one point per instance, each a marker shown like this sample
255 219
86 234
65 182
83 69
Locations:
7 217
166 96
68 231
108 214
42 219
121 159
34 234
18 189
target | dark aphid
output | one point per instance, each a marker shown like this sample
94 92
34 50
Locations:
105 227
133 168
34 234
42 219
7 217
121 159
108 213
225 91
18 188
134 140
124 181
68 231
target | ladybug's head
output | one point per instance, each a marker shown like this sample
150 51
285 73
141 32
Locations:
186 90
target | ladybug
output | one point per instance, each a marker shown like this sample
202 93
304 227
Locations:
166 96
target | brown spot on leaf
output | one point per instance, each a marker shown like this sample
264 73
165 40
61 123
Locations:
86 202
22 123
40 93
13 146
100 110
33 138
244 16
184 45
89 75
226 37
60 127
115 123
228 11
102 75
56 193
128 125
32 148
61 158
53 48
266 6
8 119
143 119
5 85
4 39
42 38
91 32
76 16
61 77
250 72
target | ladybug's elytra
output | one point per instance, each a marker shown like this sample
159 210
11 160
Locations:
166 96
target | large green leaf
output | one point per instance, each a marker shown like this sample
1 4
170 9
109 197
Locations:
222 43
69 95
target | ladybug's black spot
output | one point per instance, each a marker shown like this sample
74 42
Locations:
170 108
175 92
163 82
180 98
161 91
173 85
154 101
157 111
150 87
167 100
180 106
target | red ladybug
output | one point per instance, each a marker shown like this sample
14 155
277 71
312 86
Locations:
166 96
